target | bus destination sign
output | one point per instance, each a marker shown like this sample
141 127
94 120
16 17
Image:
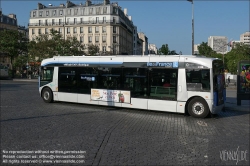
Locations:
163 64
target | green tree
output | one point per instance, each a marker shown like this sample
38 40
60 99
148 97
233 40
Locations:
164 50
46 46
93 49
205 50
238 53
13 43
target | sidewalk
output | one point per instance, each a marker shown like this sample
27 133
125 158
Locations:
25 79
231 104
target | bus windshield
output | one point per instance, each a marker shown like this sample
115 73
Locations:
46 75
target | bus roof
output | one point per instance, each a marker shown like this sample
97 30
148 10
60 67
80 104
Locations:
120 59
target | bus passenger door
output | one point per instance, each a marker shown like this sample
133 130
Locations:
181 91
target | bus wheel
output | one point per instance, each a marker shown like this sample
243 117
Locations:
47 95
198 108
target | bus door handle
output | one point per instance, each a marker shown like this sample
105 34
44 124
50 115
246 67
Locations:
179 88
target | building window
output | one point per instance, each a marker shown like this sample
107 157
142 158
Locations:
97 39
83 11
104 19
90 10
53 21
104 38
75 20
46 31
90 39
39 31
40 13
33 31
114 10
68 30
61 12
69 11
68 20
76 11
103 29
54 12
81 20
60 30
96 29
105 10
114 29
47 13
114 21
34 14
90 29
46 22
39 22
60 21
98 10
97 19
114 39
81 39
75 30
81 29
104 49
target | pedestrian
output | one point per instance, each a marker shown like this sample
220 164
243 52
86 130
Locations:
228 80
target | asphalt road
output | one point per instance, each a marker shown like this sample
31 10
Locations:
36 132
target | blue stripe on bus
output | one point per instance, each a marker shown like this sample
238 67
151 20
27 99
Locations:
92 63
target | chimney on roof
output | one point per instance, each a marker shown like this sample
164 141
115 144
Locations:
106 2
88 3
62 5
12 16
125 11
40 6
69 4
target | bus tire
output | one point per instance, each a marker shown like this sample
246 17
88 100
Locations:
198 108
47 95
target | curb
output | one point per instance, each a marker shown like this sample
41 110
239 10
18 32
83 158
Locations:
26 80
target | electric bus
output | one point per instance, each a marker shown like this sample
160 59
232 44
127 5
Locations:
196 85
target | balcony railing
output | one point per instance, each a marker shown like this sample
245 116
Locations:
74 23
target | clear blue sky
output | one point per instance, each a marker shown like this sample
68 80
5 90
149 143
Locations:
166 21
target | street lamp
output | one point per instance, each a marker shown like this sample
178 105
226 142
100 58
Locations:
192 1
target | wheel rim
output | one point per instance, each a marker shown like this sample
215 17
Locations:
46 95
198 108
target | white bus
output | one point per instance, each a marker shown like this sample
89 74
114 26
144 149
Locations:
184 84
4 72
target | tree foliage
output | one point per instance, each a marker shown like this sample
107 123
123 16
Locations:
93 50
53 44
13 43
164 50
205 50
238 53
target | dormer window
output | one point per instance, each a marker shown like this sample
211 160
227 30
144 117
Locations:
61 12
54 12
34 14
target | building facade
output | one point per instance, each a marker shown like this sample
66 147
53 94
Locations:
245 38
152 49
144 38
196 51
8 22
218 43
105 24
